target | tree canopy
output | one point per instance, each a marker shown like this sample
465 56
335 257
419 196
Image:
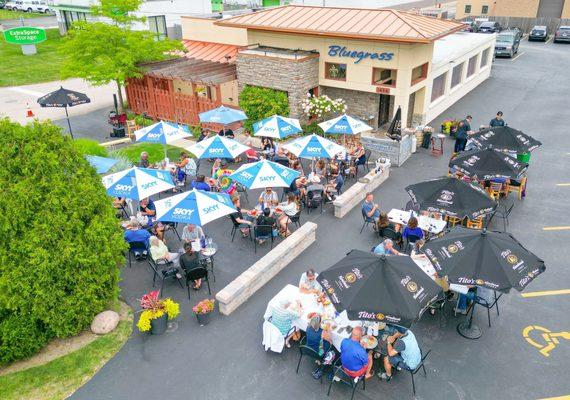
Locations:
260 102
60 243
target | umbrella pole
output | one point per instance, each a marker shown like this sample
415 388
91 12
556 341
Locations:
466 327
68 123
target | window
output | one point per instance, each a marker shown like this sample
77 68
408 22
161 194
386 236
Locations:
438 87
456 75
335 71
471 66
157 25
485 57
484 10
419 73
69 17
467 9
384 77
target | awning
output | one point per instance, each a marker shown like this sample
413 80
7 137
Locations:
208 51
65 7
199 71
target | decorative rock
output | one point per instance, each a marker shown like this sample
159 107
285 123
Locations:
105 322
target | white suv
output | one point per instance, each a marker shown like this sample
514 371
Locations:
33 6
12 5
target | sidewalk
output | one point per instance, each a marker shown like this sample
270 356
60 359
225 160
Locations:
15 99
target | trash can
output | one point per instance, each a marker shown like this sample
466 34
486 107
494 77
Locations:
524 157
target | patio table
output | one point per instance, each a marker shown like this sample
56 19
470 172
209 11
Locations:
425 223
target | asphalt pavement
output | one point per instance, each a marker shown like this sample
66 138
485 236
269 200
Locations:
225 359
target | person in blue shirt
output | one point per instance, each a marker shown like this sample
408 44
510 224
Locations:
200 184
135 233
412 229
386 247
354 358
498 120
463 131
319 341
403 352
369 208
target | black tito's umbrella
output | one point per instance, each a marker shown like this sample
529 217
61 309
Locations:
391 289
63 98
452 197
488 163
395 128
489 259
505 138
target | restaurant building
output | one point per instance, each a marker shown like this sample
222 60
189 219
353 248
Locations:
375 59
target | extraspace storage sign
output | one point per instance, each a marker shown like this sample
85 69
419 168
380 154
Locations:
25 35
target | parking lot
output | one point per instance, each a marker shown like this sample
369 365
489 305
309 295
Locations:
225 360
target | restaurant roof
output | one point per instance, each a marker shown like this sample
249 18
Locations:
199 71
207 51
372 24
454 46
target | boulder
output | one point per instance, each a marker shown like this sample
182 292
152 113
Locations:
105 322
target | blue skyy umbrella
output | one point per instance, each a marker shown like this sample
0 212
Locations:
345 124
217 147
277 127
137 183
264 173
313 146
222 115
101 164
194 207
162 133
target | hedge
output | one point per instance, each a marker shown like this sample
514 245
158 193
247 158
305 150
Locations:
259 103
60 243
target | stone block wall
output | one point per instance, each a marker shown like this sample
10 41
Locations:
295 77
360 104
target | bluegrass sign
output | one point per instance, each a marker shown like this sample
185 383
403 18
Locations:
25 35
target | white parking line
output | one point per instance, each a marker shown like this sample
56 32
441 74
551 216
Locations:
520 54
549 40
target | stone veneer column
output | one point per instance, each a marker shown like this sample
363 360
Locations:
295 77
360 104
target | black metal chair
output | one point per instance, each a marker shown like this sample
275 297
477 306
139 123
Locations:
420 366
163 269
313 197
171 226
488 298
195 274
367 154
338 372
410 240
367 221
236 228
305 350
135 247
262 232
296 219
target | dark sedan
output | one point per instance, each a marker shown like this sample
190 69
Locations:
562 34
538 33
489 27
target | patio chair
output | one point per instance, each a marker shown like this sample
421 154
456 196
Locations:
416 370
343 377
296 219
171 226
474 223
519 187
367 221
163 269
487 298
236 228
262 232
410 240
135 247
195 274
305 350
314 199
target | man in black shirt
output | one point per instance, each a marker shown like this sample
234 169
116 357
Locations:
498 120
188 261
238 219
264 232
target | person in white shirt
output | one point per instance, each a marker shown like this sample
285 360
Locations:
308 283
160 253
268 198
191 233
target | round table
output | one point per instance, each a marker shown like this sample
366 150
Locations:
206 256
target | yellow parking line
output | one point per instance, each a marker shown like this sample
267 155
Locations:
567 397
546 293
563 184
556 228
549 40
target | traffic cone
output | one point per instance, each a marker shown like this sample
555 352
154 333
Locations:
29 112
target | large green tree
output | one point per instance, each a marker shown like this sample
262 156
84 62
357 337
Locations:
111 52
61 245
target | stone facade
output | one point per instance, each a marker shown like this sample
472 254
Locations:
294 76
362 105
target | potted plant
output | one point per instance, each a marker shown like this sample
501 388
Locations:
203 310
156 313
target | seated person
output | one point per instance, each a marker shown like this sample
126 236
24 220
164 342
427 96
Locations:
281 158
320 168
148 209
355 361
181 167
135 233
296 165
308 283
267 145
227 132
319 340
204 133
190 260
412 229
216 165
238 219
250 153
200 183
335 184
289 209
160 254
143 162
282 316
119 204
263 232
268 198
370 209
384 222
403 352
191 233
296 186
386 247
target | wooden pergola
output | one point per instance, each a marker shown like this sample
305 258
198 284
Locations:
154 94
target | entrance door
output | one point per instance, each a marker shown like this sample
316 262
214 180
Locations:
384 110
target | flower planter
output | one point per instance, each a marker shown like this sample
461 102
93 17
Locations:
203 319
158 325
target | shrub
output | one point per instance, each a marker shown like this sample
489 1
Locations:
259 102
155 152
21 337
311 128
322 106
60 243
89 147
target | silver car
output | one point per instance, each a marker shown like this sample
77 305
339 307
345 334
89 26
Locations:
562 34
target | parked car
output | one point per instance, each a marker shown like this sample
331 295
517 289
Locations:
11 5
2 4
562 34
538 32
34 6
18 6
489 27
507 44
469 26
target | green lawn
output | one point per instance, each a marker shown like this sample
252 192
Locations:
59 378
17 69
7 14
